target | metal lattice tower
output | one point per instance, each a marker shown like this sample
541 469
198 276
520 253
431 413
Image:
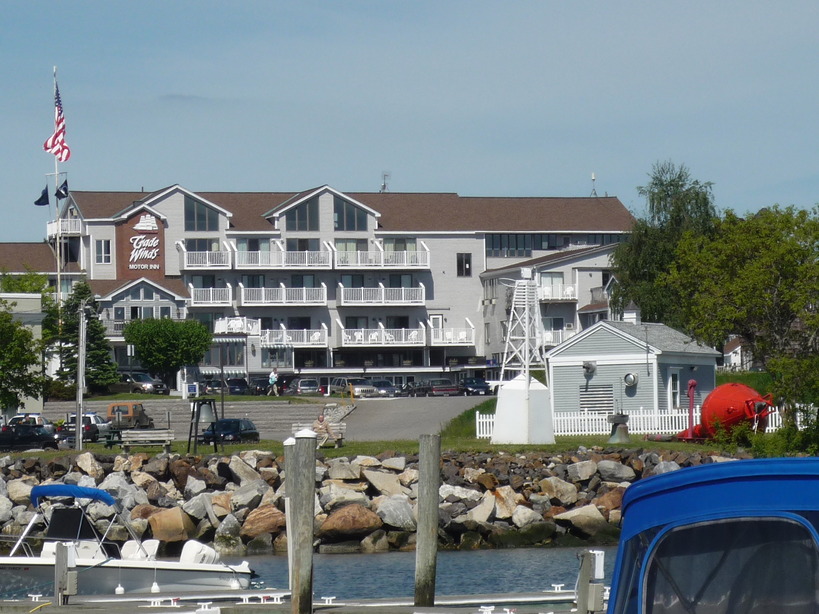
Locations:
523 350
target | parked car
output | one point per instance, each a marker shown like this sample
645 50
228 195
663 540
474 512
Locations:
409 389
440 388
35 419
102 423
385 388
128 415
25 436
473 385
141 382
303 385
258 385
90 430
361 387
230 430
237 385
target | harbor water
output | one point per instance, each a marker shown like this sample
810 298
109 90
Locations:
392 574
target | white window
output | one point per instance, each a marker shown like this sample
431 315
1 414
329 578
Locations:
674 388
103 251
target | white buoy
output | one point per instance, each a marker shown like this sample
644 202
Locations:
119 590
234 584
154 587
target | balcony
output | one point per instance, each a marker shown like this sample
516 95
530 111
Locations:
348 297
114 328
214 259
557 293
381 259
211 297
297 338
278 259
370 337
552 338
452 336
64 227
282 296
242 326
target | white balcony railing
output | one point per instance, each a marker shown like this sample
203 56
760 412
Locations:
278 259
351 337
452 336
66 227
239 325
282 296
211 297
416 259
300 338
557 292
554 337
206 260
114 328
381 296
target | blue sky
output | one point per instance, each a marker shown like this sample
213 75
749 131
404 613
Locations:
474 97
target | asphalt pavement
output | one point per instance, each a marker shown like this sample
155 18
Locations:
371 420
404 418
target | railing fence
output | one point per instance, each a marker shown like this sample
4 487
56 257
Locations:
640 422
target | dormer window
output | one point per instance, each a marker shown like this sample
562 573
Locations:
199 217
347 216
304 216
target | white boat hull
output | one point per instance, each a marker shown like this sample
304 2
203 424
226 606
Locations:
21 576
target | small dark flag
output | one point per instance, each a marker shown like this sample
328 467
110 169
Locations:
62 191
43 200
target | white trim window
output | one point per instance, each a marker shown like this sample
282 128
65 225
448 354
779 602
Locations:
674 388
103 251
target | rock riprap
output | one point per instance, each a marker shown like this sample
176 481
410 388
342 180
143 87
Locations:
362 504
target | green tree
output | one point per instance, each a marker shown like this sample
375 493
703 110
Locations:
100 370
675 204
20 364
757 277
164 346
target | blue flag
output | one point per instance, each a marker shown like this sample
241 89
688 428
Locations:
43 200
62 191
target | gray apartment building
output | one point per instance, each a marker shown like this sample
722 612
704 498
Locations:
399 286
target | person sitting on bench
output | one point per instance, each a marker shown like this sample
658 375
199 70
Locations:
323 431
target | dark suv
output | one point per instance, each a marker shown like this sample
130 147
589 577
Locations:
26 436
139 381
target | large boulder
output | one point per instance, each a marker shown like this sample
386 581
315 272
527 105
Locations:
264 519
350 521
396 511
172 525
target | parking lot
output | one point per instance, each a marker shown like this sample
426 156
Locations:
404 418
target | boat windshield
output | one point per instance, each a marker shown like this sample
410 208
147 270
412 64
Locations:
749 564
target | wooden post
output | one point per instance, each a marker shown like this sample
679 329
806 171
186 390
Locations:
426 548
301 489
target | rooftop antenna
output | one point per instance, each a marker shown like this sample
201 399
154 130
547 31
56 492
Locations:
594 190
385 177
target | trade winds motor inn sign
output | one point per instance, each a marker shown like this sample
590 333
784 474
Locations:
140 245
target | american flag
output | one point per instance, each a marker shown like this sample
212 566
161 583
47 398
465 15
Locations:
56 142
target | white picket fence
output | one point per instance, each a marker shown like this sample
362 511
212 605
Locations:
640 422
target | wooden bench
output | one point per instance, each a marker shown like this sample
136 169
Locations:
141 437
339 428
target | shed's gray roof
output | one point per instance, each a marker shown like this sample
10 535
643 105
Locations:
662 337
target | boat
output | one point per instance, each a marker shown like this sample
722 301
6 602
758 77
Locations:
101 566
722 538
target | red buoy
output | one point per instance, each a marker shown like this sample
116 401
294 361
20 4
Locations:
729 405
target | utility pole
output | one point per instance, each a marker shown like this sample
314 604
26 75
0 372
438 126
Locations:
80 376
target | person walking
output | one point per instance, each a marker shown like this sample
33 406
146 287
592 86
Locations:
272 380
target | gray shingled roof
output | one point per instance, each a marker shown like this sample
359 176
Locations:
662 337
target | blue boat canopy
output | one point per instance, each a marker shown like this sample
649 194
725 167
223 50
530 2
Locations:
68 490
